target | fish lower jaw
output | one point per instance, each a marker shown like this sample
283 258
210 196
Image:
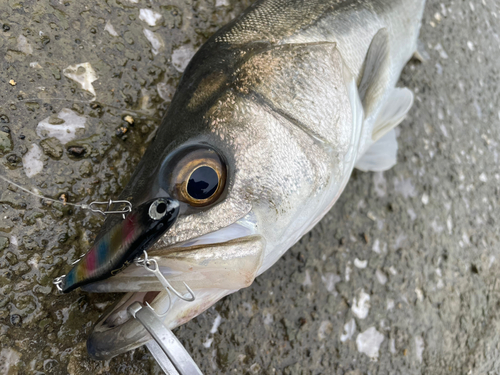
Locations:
212 270
229 265
117 332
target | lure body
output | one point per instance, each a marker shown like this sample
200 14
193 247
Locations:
117 247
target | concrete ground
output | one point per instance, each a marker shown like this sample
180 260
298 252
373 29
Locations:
415 249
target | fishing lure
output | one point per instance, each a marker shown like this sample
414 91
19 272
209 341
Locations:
119 246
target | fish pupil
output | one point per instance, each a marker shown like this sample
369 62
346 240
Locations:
203 183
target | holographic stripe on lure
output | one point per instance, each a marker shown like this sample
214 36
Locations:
123 242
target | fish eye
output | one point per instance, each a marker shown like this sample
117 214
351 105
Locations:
199 176
202 183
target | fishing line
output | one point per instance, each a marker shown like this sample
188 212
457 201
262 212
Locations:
49 99
125 206
93 205
82 206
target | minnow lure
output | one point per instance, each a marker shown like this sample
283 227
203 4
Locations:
114 251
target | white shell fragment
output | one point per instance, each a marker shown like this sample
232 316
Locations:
13 240
84 74
182 56
165 91
35 65
349 329
330 279
149 16
325 330
156 42
381 276
361 264
64 132
23 45
216 324
361 306
369 342
208 342
222 3
442 52
419 348
390 304
8 359
32 162
110 29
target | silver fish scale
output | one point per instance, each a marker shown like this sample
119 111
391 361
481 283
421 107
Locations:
274 20
305 85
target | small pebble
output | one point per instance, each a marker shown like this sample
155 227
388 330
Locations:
129 119
16 320
52 147
120 132
6 27
63 199
5 129
13 159
77 150
12 82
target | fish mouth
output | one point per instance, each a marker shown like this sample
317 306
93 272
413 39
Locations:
213 266
188 261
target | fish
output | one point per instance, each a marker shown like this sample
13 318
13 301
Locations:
270 118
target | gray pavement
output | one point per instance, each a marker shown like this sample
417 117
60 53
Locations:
416 249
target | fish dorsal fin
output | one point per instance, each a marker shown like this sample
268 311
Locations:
376 72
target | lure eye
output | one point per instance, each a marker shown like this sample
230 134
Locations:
157 209
199 176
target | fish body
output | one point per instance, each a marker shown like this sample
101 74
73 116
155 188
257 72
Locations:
278 107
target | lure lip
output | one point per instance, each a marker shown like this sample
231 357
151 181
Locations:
120 244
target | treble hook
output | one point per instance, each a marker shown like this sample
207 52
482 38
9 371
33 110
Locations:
151 265
166 311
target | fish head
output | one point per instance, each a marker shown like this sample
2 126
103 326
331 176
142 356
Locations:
242 151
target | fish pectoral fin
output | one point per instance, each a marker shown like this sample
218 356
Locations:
421 53
376 72
393 112
381 155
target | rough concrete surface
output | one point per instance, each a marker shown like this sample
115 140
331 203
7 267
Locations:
400 277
